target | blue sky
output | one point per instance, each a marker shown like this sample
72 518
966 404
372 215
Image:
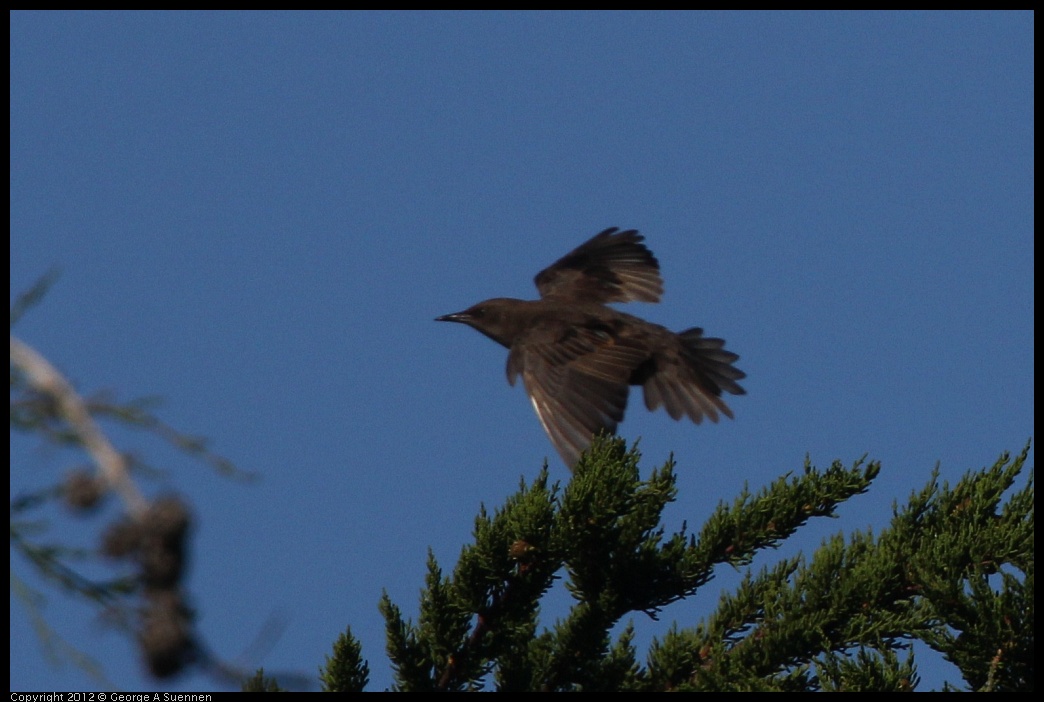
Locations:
257 217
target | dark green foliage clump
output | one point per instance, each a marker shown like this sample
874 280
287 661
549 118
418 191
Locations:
345 671
954 569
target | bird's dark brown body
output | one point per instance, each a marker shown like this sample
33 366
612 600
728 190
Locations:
578 357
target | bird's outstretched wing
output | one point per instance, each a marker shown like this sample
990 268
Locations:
613 266
578 383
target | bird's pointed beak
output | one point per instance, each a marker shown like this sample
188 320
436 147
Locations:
455 317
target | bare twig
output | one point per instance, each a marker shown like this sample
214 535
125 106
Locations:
111 464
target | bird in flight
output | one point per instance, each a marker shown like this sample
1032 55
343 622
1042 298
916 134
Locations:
578 357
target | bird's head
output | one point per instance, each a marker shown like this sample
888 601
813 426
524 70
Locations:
501 318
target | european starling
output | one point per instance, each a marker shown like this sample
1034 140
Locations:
578 357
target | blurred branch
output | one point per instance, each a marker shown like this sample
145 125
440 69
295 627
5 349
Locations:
33 295
111 464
